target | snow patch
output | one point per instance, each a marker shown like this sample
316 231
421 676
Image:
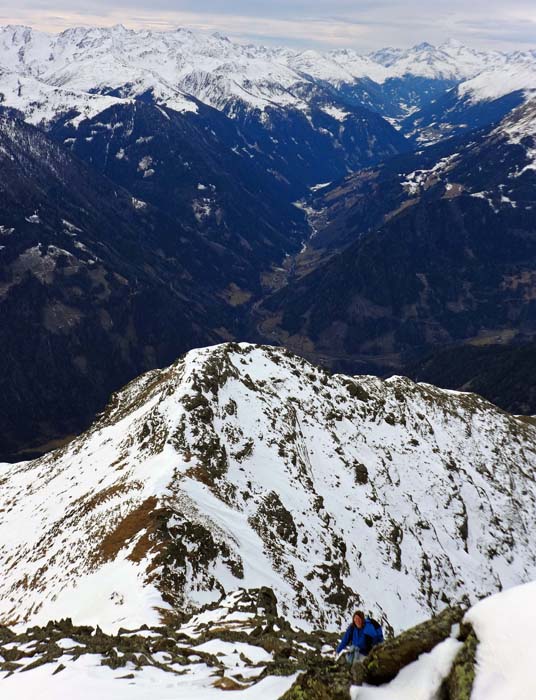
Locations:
420 680
336 112
505 625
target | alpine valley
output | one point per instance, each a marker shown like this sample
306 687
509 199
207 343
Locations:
165 190
268 341
224 146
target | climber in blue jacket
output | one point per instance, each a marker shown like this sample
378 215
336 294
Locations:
360 637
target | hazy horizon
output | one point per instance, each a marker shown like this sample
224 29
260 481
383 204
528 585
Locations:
266 41
365 25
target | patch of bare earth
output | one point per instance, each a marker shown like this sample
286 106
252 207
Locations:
139 519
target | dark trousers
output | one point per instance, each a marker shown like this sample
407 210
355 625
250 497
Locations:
354 656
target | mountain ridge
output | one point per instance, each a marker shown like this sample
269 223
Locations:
240 465
220 72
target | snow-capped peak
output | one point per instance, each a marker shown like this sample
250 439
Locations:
499 80
243 465
216 70
451 60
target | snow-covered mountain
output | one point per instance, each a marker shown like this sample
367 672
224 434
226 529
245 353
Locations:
210 67
241 466
89 58
174 65
477 101
450 60
301 127
312 116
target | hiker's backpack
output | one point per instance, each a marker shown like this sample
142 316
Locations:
378 629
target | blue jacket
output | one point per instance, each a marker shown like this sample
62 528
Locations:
364 638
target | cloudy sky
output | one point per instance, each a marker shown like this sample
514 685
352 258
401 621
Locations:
362 24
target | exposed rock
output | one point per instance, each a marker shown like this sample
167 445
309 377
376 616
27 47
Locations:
225 683
324 681
267 601
247 620
361 473
385 661
459 684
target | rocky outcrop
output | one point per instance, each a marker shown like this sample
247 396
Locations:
385 661
328 680
459 684
324 681
231 645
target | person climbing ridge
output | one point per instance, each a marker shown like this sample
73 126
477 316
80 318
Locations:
362 634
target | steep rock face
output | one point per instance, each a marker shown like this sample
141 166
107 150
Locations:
242 465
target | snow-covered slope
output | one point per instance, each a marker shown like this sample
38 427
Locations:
505 654
496 82
41 102
242 466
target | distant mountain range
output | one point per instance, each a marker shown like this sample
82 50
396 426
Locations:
363 210
425 88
